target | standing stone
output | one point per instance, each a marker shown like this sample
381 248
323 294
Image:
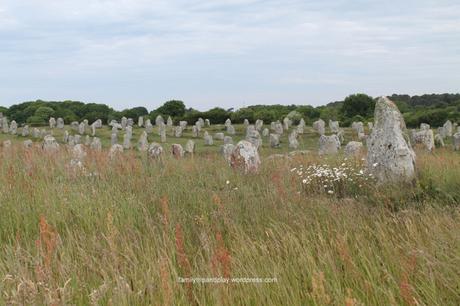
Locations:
424 137
328 144
358 127
219 136
226 151
341 135
456 141
370 125
143 143
362 136
207 122
177 150
127 141
77 139
25 131
293 142
266 132
274 140
70 140
140 121
183 125
354 148
158 120
208 141
113 139
96 144
448 128
27 143
52 123
231 130
319 126
246 122
115 150
13 128
438 140
129 131
390 158
148 126
93 129
163 135
169 122
254 138
278 128
87 140
78 152
74 125
35 133
228 122
287 123
50 144
190 147
5 127
81 128
259 125
228 140
245 156
195 132
201 121
334 126
178 131
155 150
424 126
124 122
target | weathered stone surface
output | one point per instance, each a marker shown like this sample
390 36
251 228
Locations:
265 132
96 144
190 147
207 122
27 143
438 140
169 122
148 126
5 126
228 122
245 156
60 123
155 150
77 139
231 130
370 125
319 126
159 120
140 121
329 144
246 122
226 151
278 128
254 138
127 141
13 128
293 142
178 131
274 140
115 150
456 141
50 144
219 136
113 139
341 135
163 135
358 127
87 140
208 141
424 126
354 148
195 131
124 123
362 136
25 131
448 127
287 123
81 128
425 137
143 143
228 140
52 123
78 152
334 126
390 158
259 125
177 151
183 124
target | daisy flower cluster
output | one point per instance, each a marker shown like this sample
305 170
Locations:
345 179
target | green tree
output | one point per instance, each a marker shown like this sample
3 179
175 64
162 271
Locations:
173 108
358 104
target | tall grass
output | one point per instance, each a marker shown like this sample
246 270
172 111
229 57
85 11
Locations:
125 231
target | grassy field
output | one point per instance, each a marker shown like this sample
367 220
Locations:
126 231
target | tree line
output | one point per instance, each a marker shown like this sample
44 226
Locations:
433 109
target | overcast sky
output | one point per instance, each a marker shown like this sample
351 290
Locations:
226 53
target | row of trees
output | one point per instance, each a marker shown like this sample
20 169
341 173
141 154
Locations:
433 109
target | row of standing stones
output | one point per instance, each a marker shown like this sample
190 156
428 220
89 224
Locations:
389 149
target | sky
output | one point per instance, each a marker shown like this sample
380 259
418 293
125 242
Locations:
225 53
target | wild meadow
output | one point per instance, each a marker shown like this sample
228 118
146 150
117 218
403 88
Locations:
134 231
